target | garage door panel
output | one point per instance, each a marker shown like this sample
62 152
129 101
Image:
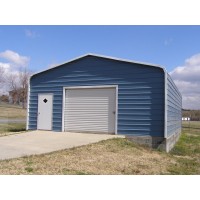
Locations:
90 110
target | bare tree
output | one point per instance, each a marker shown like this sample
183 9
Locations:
23 82
18 86
2 79
13 85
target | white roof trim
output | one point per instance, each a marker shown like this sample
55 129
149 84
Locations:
102 56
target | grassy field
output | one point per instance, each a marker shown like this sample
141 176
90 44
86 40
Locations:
8 111
11 128
187 150
115 156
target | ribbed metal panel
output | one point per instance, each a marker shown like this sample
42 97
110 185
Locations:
90 110
174 107
140 92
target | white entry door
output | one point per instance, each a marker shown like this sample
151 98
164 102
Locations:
90 110
45 105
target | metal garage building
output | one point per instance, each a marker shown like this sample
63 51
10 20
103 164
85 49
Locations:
101 94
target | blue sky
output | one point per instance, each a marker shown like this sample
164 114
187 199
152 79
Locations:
168 46
41 47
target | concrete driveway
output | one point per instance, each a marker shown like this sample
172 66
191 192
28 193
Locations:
39 142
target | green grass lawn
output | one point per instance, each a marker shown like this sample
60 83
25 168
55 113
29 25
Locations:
187 150
8 111
192 124
189 143
11 128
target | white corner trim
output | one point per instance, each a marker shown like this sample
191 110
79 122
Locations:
165 105
63 110
27 106
116 110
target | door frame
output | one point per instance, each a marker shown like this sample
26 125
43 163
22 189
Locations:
92 87
51 110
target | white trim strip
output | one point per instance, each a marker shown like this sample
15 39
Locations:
116 110
165 105
63 110
92 87
27 106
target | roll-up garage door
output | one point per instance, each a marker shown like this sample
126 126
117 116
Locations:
90 110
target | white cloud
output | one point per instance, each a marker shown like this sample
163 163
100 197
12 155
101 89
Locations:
31 34
14 58
187 79
5 66
6 71
12 66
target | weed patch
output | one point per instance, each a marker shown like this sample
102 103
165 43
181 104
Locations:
185 167
29 169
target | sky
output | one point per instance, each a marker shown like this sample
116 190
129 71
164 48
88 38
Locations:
177 48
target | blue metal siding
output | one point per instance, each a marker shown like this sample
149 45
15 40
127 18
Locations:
140 92
174 107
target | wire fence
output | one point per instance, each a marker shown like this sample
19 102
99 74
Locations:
191 127
191 121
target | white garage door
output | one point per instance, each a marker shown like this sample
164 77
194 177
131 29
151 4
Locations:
90 110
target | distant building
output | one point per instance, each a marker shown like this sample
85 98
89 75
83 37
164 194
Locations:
185 118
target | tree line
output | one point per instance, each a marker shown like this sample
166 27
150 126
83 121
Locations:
16 86
194 115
